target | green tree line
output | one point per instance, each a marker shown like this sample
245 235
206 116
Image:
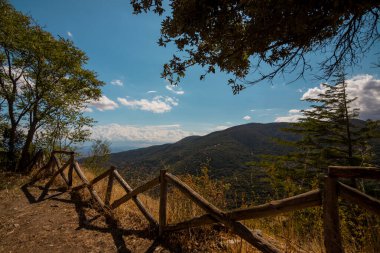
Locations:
44 87
330 134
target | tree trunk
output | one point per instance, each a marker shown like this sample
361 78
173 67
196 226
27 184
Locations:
26 153
11 156
12 159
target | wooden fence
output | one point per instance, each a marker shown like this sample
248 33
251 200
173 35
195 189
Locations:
327 198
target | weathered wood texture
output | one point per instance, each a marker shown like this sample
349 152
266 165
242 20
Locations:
70 173
150 184
328 198
194 196
273 208
127 188
93 181
277 207
163 202
354 172
253 238
359 198
332 237
59 166
50 182
107 197
93 193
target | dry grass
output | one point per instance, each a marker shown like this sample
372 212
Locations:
11 180
299 231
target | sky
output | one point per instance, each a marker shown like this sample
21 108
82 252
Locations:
138 108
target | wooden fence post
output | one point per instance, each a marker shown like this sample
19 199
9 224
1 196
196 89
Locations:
59 166
107 198
71 168
332 237
163 201
128 189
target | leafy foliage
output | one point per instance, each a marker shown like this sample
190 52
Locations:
330 134
226 152
241 36
99 156
330 128
43 85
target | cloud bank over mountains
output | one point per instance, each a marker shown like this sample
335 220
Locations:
293 116
143 135
365 87
366 90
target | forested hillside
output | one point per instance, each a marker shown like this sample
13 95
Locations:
224 151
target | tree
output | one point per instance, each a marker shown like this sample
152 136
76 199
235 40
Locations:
99 155
330 134
63 129
42 80
331 130
243 36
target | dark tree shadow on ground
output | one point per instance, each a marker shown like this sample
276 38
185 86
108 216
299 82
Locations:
112 226
50 193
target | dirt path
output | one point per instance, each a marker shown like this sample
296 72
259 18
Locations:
61 224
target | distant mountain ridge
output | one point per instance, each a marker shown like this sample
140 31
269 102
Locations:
226 154
225 151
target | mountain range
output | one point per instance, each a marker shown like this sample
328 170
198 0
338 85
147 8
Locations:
226 154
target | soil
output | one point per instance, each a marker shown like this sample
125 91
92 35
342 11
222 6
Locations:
62 222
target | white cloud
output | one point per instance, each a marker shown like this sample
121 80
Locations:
247 117
294 111
262 110
104 104
313 93
176 90
158 104
144 134
151 91
367 90
117 82
293 116
219 128
69 34
87 109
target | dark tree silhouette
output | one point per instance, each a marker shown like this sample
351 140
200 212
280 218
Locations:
240 37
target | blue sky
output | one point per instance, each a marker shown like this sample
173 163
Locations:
138 108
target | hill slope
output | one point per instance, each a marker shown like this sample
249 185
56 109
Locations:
225 151
226 154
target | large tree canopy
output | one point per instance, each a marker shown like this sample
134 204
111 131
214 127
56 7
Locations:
240 37
43 86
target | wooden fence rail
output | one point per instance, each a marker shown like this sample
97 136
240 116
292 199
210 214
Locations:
326 197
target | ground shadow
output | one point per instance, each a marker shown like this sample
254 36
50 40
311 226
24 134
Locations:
114 228
50 193
36 194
